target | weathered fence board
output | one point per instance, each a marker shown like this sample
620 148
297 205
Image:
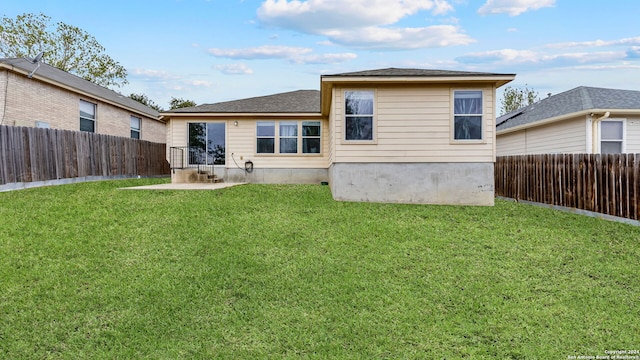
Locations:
607 184
32 154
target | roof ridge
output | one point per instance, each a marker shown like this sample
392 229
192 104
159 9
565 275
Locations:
587 103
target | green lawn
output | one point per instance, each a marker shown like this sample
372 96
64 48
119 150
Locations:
257 271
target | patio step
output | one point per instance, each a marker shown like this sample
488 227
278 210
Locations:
207 178
213 178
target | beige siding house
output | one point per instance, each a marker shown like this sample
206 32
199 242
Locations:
56 99
388 135
581 120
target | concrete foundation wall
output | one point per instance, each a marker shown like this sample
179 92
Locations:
278 176
421 183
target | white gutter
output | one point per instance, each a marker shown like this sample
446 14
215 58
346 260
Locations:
595 134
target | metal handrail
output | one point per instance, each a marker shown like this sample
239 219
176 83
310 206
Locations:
182 157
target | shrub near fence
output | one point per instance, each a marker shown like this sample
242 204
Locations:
607 184
31 154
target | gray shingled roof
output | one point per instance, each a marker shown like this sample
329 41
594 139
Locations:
300 101
582 98
76 82
391 72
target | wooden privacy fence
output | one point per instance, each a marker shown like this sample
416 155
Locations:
31 154
608 183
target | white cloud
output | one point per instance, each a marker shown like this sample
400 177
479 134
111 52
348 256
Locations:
198 83
298 55
317 16
363 23
634 41
165 80
324 58
633 52
150 74
234 69
260 52
325 43
513 7
527 58
500 56
403 38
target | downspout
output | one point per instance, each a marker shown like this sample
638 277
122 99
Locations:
594 131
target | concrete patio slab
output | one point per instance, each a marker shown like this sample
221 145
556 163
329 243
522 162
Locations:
183 186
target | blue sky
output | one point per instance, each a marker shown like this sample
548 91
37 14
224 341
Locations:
217 50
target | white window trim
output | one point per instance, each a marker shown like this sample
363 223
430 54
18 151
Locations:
299 137
139 130
452 124
624 134
374 125
95 115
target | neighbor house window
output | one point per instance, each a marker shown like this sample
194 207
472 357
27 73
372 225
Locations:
311 137
611 137
467 115
42 124
135 127
288 137
207 143
266 137
358 109
87 116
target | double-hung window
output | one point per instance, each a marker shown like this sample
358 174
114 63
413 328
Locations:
288 137
611 137
87 116
311 137
358 109
135 127
467 115
266 135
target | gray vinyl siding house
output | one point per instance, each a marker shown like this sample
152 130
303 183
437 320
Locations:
580 120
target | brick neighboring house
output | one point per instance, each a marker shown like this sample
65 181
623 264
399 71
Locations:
56 99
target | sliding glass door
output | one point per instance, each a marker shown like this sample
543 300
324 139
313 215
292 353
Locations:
207 143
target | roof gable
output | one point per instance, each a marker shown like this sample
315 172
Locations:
576 100
57 76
